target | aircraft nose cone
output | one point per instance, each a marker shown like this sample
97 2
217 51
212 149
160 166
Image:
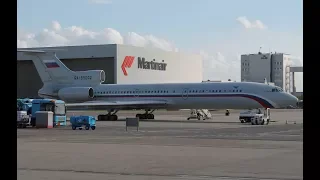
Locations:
293 100
288 100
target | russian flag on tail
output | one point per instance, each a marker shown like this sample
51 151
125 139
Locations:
51 64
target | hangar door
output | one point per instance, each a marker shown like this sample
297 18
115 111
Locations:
29 82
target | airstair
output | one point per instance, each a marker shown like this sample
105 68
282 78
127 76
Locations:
200 114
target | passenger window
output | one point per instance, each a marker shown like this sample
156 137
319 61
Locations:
240 90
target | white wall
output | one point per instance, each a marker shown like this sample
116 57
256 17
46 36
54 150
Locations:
180 67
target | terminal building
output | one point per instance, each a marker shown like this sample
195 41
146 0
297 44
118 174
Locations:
123 64
273 67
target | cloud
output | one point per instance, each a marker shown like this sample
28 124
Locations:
100 1
221 60
257 24
76 35
56 26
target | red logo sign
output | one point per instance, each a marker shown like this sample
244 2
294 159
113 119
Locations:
127 62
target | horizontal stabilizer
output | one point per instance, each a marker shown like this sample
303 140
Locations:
39 50
31 51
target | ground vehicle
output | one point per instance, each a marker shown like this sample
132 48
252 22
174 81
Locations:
246 115
261 119
24 105
56 106
23 112
23 120
86 121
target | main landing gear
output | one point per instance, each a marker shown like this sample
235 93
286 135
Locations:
146 115
108 117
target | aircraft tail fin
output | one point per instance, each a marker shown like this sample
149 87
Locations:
49 66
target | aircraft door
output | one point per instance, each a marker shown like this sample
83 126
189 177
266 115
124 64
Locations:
184 94
136 93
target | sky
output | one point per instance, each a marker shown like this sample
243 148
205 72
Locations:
219 30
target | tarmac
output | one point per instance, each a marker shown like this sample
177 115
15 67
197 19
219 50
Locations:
169 147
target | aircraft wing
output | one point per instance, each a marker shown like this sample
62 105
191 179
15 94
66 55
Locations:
121 105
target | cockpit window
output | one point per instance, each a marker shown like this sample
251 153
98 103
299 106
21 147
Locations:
277 89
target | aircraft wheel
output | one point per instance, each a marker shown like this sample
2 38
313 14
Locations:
242 121
149 116
143 116
73 128
138 115
262 122
102 117
87 127
113 117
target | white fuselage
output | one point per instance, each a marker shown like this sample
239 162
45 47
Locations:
215 95
79 86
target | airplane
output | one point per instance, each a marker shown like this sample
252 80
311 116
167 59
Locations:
85 89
